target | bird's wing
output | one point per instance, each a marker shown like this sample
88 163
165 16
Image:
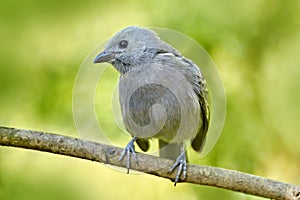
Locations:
193 74
143 144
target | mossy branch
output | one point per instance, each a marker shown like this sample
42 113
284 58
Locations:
197 174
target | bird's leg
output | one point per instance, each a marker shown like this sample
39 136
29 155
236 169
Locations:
181 164
128 150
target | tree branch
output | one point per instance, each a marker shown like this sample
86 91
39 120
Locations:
203 175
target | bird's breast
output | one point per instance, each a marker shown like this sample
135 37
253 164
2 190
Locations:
158 102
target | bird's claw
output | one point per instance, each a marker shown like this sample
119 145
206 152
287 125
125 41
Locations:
128 150
181 164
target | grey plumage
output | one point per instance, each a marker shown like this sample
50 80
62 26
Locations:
163 95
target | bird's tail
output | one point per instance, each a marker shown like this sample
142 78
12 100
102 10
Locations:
169 150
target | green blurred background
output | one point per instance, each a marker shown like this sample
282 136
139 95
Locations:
254 43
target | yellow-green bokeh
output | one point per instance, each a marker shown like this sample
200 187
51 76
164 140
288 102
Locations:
255 44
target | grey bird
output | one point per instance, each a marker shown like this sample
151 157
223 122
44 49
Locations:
163 95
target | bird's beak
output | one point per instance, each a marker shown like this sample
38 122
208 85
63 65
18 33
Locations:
104 57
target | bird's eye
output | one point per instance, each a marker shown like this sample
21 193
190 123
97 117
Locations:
123 44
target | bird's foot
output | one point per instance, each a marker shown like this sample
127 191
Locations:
181 164
129 149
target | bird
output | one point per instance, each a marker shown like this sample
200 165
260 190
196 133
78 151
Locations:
162 94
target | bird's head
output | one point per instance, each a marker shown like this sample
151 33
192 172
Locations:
131 47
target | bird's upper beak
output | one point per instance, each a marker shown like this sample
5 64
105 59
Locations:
104 57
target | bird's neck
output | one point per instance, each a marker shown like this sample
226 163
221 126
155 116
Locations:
122 67
128 62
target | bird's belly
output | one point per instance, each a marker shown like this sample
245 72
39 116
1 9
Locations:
158 107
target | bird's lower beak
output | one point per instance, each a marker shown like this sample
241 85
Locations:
104 57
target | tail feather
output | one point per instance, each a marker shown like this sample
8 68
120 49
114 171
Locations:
169 150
